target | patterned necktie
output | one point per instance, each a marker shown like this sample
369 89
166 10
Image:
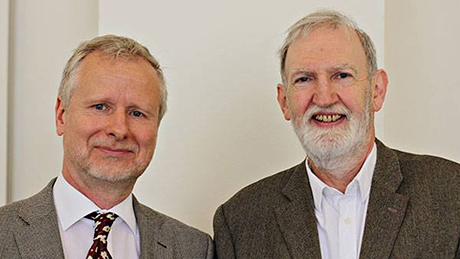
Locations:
101 231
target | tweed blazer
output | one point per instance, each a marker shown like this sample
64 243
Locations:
413 213
29 230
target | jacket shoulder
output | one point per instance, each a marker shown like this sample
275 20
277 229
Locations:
186 241
430 179
11 211
172 223
11 221
262 193
427 164
9 216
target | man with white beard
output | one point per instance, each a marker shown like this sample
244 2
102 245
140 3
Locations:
352 197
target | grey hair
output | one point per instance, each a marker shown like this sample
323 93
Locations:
111 46
331 19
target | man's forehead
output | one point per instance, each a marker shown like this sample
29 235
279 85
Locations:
330 46
101 71
98 61
328 34
325 28
110 57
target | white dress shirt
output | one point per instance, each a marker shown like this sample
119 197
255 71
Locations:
341 217
77 231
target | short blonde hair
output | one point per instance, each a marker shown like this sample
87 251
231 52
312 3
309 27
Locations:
111 46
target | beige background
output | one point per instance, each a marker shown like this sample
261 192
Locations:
224 129
422 57
4 23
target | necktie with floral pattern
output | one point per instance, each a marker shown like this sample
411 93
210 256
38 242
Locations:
103 223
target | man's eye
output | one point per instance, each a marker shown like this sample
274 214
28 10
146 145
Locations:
343 75
99 106
302 79
137 114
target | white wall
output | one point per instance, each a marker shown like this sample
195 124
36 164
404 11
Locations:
224 129
422 53
43 35
4 29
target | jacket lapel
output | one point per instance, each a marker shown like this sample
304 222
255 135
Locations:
39 236
386 208
155 242
296 217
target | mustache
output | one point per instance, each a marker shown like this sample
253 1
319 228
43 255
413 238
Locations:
113 144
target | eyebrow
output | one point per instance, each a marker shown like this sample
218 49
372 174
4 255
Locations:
302 71
330 70
345 66
97 99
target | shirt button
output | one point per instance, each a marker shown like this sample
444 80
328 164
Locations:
347 221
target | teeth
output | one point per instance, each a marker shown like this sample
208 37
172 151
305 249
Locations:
328 118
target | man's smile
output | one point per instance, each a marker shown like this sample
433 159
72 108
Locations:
328 118
116 152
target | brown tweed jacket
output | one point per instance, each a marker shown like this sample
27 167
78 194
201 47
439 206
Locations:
413 212
29 230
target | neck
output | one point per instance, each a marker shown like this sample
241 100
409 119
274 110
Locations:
103 193
340 177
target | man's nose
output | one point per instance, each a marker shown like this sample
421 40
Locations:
117 126
325 93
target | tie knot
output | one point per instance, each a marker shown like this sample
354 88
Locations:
96 216
103 222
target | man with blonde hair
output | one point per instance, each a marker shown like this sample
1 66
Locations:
111 100
352 197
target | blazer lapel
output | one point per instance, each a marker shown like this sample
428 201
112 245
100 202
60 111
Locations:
155 242
386 208
39 237
296 218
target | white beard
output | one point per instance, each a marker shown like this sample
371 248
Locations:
338 148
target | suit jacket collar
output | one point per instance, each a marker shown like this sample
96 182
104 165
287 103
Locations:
386 209
296 217
385 212
157 240
39 237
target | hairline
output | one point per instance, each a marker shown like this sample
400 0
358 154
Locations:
334 20
75 74
114 51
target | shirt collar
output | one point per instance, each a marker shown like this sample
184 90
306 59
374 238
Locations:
363 178
72 205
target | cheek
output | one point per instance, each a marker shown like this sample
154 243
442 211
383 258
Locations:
89 131
146 138
85 123
77 131
76 139
298 102
354 99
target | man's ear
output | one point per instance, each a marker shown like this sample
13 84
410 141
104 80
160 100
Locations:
282 101
60 116
379 85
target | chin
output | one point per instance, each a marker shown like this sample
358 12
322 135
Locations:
114 174
334 148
